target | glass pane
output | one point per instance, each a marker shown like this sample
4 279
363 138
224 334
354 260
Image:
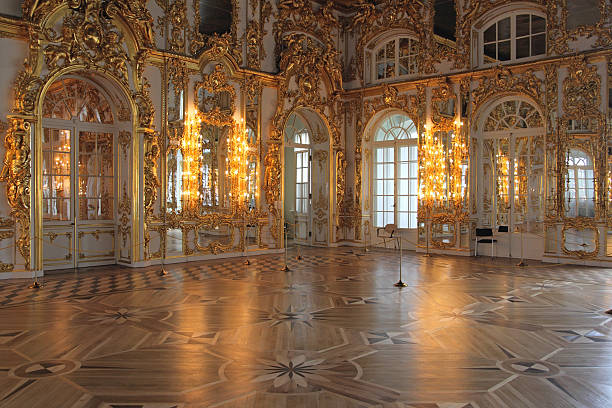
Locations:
413 169
46 165
403 190
380 56
389 154
413 220
106 186
380 186
61 187
413 186
88 186
538 24
522 47
503 29
380 71
61 163
490 50
46 185
388 203
389 187
413 153
388 170
404 47
522 25
379 219
490 34
503 49
403 170
390 50
60 209
105 150
390 73
403 203
404 66
403 153
538 44
403 220
389 219
413 203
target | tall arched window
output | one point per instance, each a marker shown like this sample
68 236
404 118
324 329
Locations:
513 37
395 150
580 188
395 58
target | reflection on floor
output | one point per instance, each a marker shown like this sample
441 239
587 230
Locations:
332 332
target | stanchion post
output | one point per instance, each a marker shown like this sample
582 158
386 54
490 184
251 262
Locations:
286 267
399 283
163 271
35 284
245 253
522 262
297 246
365 237
427 227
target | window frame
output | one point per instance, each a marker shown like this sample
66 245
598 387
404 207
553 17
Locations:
397 176
396 58
513 15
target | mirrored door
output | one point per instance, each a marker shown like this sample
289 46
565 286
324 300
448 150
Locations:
78 197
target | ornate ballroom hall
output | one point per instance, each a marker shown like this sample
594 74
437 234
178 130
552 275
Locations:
296 204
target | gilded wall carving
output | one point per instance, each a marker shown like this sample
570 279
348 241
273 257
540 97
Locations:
216 45
581 102
16 174
503 82
261 11
415 17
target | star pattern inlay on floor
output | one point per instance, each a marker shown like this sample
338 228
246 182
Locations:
333 332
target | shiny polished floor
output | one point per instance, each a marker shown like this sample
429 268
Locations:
332 332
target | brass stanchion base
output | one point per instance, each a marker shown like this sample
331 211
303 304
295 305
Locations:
609 312
35 285
400 284
427 254
163 271
522 263
299 257
247 262
285 269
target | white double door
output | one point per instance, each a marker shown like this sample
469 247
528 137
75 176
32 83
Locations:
78 194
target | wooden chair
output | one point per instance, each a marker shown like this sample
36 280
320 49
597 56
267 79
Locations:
386 234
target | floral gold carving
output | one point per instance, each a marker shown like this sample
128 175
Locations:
581 89
208 92
503 81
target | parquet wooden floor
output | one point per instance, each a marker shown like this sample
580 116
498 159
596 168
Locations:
332 332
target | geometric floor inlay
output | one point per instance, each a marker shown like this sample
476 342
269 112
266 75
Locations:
332 332
536 368
47 368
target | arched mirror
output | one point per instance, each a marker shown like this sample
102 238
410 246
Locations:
579 184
